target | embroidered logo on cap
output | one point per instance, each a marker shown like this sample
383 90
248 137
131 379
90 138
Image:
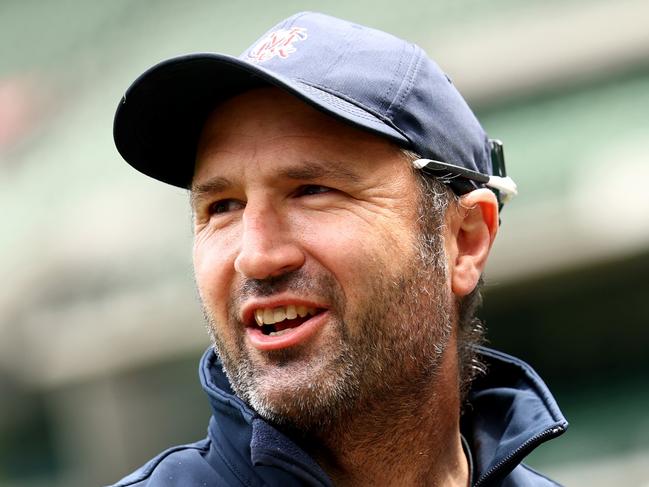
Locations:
278 43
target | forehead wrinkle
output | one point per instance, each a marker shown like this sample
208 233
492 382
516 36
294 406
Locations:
309 170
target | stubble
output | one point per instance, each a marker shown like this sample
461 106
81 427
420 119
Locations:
390 345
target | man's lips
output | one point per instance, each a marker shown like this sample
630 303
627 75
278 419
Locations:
292 332
274 324
281 314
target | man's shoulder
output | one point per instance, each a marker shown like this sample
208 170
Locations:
175 466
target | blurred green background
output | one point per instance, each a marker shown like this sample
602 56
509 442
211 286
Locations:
100 329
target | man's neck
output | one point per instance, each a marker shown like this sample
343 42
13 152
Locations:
405 439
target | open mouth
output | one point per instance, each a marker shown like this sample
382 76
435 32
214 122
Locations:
278 321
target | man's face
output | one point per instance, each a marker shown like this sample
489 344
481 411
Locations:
319 292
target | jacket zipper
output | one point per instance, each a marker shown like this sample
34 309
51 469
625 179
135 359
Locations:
538 439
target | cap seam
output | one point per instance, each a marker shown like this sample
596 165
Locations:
409 82
372 114
387 95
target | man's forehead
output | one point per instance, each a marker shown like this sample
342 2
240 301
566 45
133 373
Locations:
284 136
272 112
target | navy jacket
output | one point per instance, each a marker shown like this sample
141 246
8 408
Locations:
511 412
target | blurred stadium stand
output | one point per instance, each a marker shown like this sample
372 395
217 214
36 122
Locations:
100 328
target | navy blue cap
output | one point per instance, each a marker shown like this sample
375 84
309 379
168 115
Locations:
359 75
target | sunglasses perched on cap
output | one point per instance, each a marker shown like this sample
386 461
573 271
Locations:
462 180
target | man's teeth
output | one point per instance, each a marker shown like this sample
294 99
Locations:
268 316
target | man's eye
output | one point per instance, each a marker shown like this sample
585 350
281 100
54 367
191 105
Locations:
224 206
311 189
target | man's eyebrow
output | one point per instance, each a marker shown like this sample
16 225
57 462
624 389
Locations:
311 170
317 170
211 186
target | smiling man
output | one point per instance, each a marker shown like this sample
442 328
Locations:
345 201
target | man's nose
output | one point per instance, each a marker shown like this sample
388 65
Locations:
268 247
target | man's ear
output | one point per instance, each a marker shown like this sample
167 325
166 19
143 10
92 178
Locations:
473 229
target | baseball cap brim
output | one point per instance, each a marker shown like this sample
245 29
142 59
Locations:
159 119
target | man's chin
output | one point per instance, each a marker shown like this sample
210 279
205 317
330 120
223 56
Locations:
298 393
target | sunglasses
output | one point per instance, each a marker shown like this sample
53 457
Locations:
462 180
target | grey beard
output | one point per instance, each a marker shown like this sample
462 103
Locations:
392 346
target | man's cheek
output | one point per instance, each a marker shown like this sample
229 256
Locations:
209 273
215 315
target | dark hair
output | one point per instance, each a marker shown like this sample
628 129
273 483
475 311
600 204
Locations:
436 199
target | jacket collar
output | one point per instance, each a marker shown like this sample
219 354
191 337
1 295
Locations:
239 431
510 412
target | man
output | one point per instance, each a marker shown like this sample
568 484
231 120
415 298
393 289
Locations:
345 200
